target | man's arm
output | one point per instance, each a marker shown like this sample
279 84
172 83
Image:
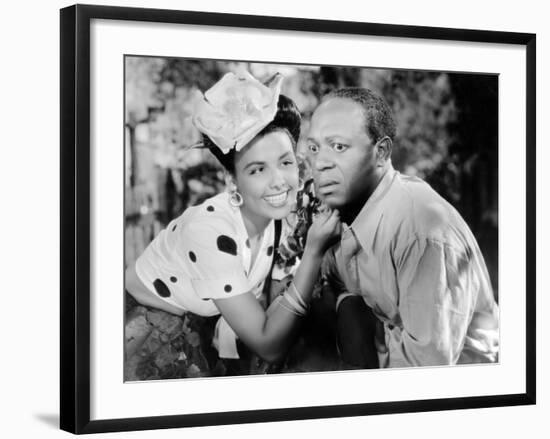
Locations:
438 289
355 321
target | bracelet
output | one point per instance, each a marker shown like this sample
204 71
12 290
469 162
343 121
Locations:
297 304
292 289
289 309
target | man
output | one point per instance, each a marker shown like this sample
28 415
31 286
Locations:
407 253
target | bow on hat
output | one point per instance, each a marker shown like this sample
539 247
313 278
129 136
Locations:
236 109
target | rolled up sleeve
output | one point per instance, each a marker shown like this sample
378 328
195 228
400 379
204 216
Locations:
437 294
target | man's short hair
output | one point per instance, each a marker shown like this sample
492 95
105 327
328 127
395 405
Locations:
379 121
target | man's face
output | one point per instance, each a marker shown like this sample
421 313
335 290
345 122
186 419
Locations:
341 154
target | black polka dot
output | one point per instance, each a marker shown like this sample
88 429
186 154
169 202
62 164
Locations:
227 288
270 250
174 228
161 288
227 245
193 257
173 279
210 208
248 243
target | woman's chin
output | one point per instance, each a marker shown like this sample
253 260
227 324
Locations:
279 212
282 209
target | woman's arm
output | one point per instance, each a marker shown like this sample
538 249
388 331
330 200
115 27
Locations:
270 336
139 291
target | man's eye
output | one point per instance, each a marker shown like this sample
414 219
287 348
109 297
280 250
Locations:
339 147
288 163
314 149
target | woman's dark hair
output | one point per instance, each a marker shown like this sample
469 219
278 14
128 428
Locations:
287 119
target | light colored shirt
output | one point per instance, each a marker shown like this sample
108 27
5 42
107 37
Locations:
416 263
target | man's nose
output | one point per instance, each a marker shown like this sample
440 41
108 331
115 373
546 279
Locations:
322 160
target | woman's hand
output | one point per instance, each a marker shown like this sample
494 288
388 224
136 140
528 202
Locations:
324 231
270 333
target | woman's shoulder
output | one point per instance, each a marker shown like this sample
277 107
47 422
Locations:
213 216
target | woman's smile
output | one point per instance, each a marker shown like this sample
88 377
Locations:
277 200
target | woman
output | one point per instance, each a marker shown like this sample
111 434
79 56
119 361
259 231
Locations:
215 257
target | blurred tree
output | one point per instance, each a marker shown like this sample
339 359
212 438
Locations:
142 75
189 73
472 163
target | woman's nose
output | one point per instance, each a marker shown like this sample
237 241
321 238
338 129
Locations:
277 179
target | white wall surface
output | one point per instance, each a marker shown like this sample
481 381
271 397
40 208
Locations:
29 218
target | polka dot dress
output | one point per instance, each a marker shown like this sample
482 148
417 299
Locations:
205 254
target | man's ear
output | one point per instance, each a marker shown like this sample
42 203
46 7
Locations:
383 149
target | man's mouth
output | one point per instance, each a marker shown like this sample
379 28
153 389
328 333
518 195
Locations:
326 186
277 200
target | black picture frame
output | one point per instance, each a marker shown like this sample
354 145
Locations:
75 217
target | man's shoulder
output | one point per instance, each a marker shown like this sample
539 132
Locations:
419 206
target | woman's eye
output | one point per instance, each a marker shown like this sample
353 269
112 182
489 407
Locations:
339 147
314 149
288 163
256 170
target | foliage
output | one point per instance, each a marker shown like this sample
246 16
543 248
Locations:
292 248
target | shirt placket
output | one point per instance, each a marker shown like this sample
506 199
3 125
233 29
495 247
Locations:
349 248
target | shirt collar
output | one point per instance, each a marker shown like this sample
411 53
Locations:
362 226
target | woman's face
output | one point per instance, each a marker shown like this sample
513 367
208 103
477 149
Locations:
266 175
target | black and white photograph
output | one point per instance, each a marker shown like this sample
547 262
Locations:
286 218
